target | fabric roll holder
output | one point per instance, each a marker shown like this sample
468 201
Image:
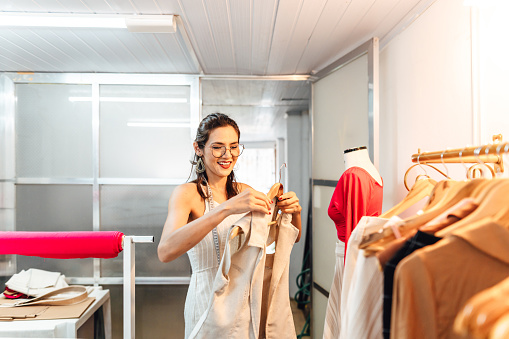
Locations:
17 245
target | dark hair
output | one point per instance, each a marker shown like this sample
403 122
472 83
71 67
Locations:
207 125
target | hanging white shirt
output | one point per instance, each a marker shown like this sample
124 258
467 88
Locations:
362 290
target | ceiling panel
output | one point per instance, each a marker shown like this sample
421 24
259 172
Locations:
373 18
219 15
198 23
258 106
307 18
262 37
317 43
356 24
242 32
93 50
263 22
255 93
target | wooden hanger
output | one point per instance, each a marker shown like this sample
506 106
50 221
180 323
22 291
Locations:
274 193
426 173
489 314
500 329
464 189
373 241
483 311
439 192
465 320
421 189
491 200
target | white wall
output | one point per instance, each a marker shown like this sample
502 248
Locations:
425 93
493 49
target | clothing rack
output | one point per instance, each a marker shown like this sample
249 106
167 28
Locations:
484 154
129 282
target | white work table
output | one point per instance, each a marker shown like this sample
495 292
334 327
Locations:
61 328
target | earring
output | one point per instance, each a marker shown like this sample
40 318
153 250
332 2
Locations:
200 166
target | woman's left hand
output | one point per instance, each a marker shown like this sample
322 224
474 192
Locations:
289 203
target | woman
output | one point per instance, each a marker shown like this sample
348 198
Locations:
200 212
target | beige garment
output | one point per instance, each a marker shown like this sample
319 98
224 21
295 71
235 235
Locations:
432 284
449 217
235 306
481 312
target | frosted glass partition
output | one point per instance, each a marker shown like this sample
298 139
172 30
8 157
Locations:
340 117
100 152
159 310
340 121
53 131
139 210
55 208
324 238
7 195
145 131
7 217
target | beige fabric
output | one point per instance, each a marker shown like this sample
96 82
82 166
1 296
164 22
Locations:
432 284
267 277
41 312
449 217
35 282
69 295
235 305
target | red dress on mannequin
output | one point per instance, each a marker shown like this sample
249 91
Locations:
357 194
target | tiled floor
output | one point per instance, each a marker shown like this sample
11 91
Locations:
298 317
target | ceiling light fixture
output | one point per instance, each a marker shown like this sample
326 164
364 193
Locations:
165 123
133 23
129 99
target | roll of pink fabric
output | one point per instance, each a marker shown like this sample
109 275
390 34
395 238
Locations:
62 245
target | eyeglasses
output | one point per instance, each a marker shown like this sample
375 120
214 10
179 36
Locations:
219 151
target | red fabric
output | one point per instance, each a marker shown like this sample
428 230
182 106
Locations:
357 194
11 294
62 245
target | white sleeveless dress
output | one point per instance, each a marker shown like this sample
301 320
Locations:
204 267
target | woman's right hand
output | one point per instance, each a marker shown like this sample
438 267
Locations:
249 200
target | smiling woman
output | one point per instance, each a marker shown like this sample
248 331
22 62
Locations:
201 212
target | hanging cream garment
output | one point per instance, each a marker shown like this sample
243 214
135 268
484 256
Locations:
332 326
361 293
235 305
204 266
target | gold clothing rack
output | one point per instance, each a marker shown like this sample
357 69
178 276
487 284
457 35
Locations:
485 154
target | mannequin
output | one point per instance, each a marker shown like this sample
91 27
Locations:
359 157
359 193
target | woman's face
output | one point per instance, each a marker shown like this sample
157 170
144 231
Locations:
218 139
